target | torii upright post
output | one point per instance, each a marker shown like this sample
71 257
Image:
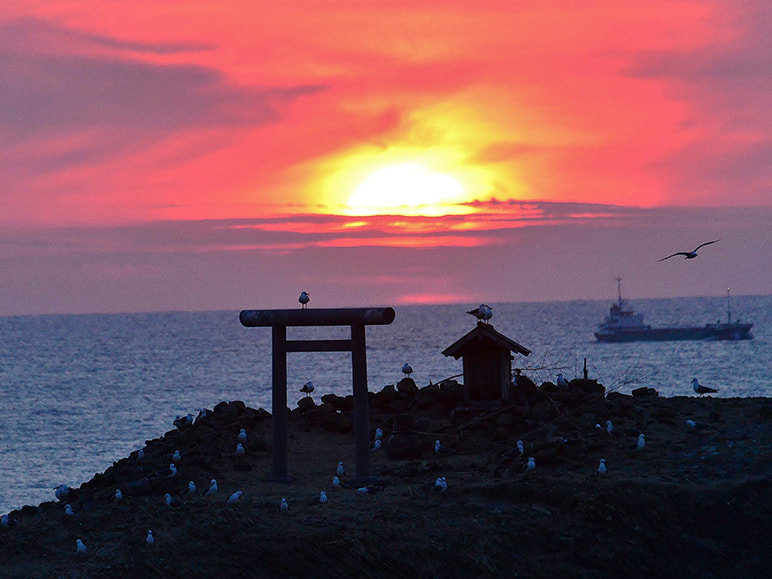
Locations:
279 320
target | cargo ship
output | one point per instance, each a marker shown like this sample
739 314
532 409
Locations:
622 324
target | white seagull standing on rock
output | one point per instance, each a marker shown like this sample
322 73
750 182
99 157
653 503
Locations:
378 434
234 498
609 427
80 547
562 382
284 506
68 509
304 299
176 457
442 450
118 495
407 370
171 502
62 492
212 487
149 540
641 442
172 470
307 388
191 487
520 447
323 497
240 451
336 482
531 464
602 466
340 471
700 389
242 435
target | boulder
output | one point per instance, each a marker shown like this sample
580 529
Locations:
407 386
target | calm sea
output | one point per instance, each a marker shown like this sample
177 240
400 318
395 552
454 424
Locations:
79 392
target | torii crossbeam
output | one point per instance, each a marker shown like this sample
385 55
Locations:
279 320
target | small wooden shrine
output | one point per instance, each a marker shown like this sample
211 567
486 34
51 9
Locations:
487 362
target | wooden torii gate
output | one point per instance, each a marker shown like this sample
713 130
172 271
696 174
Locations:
279 320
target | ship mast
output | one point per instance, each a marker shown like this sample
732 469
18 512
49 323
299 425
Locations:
619 291
728 311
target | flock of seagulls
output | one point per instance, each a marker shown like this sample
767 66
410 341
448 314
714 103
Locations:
483 313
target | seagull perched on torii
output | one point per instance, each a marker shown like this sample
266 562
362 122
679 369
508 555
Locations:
690 254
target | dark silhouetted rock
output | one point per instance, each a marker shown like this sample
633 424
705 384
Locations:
645 392
587 386
403 423
403 445
407 386
305 404
549 387
525 385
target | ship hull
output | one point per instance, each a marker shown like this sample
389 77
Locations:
708 332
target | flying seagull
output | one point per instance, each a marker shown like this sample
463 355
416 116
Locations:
700 389
307 388
690 254
304 299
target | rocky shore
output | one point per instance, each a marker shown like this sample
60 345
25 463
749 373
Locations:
695 501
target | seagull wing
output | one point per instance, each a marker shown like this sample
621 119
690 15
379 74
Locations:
679 253
706 243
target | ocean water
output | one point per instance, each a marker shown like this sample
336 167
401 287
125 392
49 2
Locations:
78 392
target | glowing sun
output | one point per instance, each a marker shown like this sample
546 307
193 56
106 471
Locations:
407 189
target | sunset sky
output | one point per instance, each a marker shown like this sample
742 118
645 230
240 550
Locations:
227 155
